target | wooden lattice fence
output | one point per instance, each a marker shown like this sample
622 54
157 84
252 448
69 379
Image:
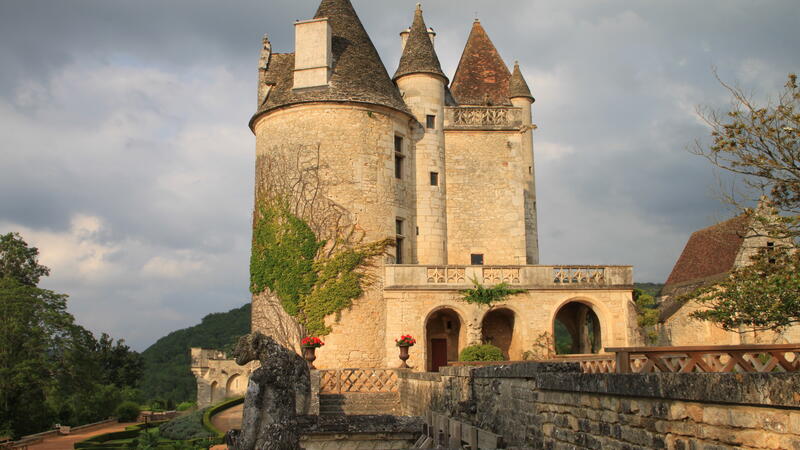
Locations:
344 381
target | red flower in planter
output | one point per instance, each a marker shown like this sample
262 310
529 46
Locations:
314 342
405 340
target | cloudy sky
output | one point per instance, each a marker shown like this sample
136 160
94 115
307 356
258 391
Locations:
126 158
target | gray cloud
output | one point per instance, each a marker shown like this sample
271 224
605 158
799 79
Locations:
126 156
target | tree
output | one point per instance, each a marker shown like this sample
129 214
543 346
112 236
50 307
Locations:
761 143
646 314
19 261
764 295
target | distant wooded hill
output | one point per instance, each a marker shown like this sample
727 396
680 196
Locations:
167 372
649 288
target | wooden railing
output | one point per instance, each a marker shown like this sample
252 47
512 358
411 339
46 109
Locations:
344 381
721 358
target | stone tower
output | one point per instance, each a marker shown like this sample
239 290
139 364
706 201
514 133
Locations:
422 83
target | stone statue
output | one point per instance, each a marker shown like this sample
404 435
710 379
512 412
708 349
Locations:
278 391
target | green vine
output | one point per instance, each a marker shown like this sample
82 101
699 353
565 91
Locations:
286 260
482 295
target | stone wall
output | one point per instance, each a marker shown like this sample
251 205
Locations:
218 378
554 405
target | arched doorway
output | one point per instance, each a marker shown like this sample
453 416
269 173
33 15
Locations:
443 336
236 386
497 329
213 395
576 330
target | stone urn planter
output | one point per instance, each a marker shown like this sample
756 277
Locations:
310 346
309 354
404 343
404 356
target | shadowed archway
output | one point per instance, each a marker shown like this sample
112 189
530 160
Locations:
497 328
576 330
443 331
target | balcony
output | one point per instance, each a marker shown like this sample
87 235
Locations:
529 277
482 118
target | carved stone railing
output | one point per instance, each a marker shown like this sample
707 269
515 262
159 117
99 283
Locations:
579 275
721 358
344 381
483 117
591 363
549 277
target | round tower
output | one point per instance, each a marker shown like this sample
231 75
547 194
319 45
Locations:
334 135
520 95
422 83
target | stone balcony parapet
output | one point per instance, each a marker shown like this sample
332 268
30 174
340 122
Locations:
483 118
427 277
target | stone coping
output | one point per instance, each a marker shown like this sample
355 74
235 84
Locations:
758 389
352 424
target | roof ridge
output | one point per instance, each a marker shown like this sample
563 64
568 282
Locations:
419 55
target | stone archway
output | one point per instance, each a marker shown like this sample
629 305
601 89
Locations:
497 328
236 386
443 336
576 329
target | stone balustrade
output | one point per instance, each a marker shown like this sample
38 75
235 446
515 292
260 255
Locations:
482 118
532 277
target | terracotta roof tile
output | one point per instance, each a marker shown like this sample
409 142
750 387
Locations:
710 251
482 76
358 74
419 55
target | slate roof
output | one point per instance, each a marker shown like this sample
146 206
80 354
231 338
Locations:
517 87
419 56
358 74
482 76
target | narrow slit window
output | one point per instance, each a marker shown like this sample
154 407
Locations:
430 122
434 178
476 259
398 157
398 225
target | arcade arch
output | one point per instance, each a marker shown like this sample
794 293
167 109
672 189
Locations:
576 329
497 328
444 337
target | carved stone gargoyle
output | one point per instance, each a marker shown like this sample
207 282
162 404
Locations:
277 392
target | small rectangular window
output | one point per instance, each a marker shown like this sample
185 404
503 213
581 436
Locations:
398 144
398 226
476 259
430 122
434 178
398 166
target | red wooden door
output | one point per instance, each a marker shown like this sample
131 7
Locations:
438 354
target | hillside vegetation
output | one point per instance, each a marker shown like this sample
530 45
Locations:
167 372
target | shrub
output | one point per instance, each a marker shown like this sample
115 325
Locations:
186 427
127 411
481 353
185 406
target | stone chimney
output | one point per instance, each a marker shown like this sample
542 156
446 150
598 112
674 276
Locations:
312 53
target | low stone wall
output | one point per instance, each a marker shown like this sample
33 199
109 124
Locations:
554 405
358 432
360 404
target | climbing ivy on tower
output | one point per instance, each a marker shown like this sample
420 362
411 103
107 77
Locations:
287 259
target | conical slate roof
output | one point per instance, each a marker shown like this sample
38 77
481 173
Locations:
419 55
358 74
517 87
482 76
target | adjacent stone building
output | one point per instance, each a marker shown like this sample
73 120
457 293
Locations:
444 168
709 257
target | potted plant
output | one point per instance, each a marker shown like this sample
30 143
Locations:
310 345
404 343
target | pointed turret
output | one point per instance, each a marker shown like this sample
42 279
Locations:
517 87
482 76
419 56
356 72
